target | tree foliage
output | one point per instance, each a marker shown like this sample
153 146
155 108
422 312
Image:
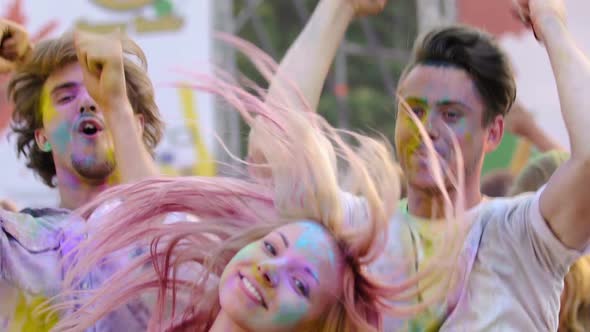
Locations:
369 105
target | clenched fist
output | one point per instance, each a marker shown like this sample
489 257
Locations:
15 45
101 59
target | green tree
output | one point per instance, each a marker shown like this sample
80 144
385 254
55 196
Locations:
369 103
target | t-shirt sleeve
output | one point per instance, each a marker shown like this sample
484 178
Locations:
29 253
532 234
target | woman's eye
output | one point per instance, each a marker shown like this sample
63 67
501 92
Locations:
301 287
270 248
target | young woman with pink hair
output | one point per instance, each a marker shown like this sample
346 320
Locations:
284 249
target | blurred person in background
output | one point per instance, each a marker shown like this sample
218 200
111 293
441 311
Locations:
574 312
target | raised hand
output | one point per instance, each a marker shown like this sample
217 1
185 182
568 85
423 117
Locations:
532 12
101 58
15 45
367 7
8 206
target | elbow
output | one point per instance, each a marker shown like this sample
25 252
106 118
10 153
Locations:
580 166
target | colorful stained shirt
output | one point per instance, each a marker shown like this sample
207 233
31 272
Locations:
412 243
510 269
32 244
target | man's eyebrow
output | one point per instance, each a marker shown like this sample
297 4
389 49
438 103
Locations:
449 102
64 86
417 100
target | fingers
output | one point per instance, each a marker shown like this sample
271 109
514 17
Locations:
9 49
88 52
521 10
368 7
14 41
8 206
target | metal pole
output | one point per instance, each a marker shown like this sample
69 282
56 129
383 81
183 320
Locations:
227 121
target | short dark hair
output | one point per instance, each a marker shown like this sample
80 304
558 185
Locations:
476 52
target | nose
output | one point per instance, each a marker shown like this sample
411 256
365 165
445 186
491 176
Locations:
87 104
432 127
88 108
268 273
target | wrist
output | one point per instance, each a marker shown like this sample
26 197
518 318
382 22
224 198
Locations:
118 109
547 22
343 9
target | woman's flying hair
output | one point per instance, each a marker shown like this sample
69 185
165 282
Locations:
346 182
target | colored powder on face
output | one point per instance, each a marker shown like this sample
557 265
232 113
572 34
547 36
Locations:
312 240
468 138
111 154
61 137
244 253
411 144
48 112
290 314
114 178
461 128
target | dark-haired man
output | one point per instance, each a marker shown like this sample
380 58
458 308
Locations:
459 84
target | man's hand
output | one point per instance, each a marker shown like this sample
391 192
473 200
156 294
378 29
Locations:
367 7
533 12
519 120
15 46
8 206
101 58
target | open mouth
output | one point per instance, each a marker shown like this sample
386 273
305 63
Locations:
252 291
90 127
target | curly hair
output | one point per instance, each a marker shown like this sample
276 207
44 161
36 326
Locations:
26 86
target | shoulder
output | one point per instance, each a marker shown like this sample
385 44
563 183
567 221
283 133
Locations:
517 223
505 208
35 229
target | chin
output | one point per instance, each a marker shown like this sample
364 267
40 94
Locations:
423 182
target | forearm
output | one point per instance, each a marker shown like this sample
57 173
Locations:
572 74
134 161
564 201
541 140
308 60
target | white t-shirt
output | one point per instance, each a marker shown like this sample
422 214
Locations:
511 263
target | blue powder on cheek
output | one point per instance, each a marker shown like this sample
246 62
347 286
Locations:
245 252
61 137
290 314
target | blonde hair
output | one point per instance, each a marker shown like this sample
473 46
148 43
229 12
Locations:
574 314
26 85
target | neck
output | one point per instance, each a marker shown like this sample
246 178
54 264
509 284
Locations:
75 191
429 203
224 324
